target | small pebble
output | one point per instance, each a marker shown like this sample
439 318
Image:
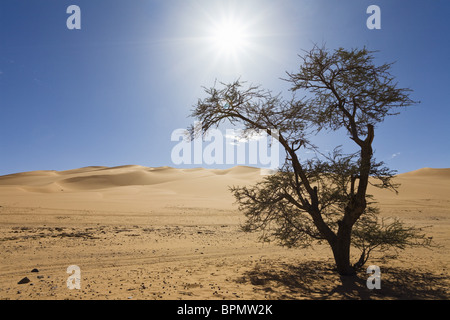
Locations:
24 280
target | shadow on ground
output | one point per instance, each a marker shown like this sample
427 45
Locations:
319 280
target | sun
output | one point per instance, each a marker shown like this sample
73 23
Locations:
229 37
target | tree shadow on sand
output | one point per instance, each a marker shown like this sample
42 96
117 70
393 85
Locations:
319 280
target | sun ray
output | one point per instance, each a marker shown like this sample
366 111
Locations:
228 39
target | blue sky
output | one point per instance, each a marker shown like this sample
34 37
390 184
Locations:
112 92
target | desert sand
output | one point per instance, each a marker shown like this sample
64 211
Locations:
166 233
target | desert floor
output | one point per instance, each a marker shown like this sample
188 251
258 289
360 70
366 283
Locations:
164 233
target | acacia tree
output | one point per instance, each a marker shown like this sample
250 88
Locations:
323 198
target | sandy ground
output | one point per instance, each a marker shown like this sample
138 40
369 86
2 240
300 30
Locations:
164 233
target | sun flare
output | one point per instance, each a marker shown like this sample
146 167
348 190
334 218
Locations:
229 37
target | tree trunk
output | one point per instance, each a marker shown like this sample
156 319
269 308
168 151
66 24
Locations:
341 250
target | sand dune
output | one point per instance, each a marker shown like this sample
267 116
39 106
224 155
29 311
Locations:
428 172
165 233
200 182
91 178
139 175
126 188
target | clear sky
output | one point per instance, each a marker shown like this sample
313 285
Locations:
112 92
